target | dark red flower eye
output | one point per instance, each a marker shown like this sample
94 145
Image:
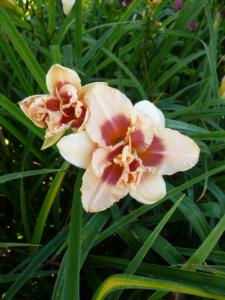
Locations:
114 131
53 104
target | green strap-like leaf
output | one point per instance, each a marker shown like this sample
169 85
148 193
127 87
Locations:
207 286
22 48
71 289
17 175
47 204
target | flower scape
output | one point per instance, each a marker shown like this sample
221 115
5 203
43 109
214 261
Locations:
124 148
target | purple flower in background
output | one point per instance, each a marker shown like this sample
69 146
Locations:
178 5
125 3
192 25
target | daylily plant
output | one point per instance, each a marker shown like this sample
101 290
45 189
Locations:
62 108
125 149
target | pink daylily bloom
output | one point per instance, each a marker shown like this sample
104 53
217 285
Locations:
125 149
62 108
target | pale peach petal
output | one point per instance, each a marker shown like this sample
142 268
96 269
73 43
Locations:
67 6
67 91
82 125
174 152
53 121
150 189
98 195
99 160
34 109
109 114
142 135
87 87
58 74
77 149
152 111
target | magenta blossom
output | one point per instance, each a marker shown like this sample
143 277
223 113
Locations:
192 25
178 5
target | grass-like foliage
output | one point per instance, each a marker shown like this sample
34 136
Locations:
49 247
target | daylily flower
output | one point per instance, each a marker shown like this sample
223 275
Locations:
63 108
126 149
67 6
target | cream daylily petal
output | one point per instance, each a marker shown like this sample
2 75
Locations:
59 74
150 189
67 6
87 87
77 149
98 195
34 108
106 104
99 161
179 152
71 91
152 111
142 136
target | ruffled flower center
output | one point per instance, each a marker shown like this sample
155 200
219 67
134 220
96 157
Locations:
123 165
133 155
37 110
64 109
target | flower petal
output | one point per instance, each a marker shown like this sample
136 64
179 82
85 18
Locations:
59 75
170 152
150 189
100 161
34 109
87 87
98 195
77 149
142 136
152 111
67 6
109 114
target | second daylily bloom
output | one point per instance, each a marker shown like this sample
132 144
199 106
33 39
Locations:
126 149
62 108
